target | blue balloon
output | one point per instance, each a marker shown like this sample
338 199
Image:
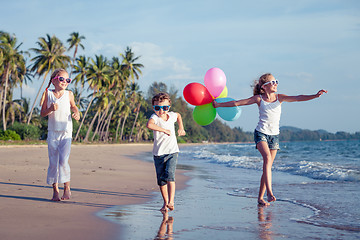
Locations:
228 113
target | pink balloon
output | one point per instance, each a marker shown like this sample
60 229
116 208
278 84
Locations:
215 81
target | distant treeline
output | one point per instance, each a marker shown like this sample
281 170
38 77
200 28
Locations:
220 132
297 134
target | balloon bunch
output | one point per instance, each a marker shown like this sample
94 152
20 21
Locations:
202 96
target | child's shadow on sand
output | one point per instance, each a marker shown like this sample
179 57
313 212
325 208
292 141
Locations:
100 205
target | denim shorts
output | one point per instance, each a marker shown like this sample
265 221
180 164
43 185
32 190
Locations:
165 166
272 140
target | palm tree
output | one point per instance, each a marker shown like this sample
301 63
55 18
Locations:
50 56
81 101
24 103
13 109
75 42
97 76
13 67
118 83
129 64
126 110
143 131
118 116
80 69
155 88
102 107
140 101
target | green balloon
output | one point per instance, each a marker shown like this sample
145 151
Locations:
204 114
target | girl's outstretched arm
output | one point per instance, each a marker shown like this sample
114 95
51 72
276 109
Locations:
300 98
242 102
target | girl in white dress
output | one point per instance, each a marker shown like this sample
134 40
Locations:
57 104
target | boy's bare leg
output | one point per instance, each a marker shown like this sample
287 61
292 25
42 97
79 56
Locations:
171 189
55 192
67 192
165 196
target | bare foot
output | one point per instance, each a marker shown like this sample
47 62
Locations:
55 197
170 206
164 209
66 195
271 198
262 202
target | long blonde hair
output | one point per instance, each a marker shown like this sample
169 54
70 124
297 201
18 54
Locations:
257 86
55 73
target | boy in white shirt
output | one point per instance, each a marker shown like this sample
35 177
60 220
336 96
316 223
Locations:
165 148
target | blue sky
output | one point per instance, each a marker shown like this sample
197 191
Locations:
307 45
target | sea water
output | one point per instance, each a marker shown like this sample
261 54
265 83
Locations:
323 176
316 185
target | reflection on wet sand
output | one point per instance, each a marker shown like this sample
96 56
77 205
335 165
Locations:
166 228
265 223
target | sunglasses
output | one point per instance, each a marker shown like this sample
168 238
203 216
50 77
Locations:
62 79
272 82
164 108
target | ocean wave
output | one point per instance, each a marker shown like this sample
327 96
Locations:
233 158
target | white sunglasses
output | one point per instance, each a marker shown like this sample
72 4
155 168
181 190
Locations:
272 82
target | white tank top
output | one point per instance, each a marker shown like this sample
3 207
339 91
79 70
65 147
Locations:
59 120
269 117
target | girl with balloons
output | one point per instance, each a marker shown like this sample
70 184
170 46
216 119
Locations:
266 134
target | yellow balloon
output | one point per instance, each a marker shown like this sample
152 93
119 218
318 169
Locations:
224 93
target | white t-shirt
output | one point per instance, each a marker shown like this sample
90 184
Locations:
164 144
60 120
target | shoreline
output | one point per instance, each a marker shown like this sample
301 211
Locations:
102 176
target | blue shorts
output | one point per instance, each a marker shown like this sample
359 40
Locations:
272 140
165 166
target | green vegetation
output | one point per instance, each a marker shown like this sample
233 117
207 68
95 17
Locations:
114 111
9 135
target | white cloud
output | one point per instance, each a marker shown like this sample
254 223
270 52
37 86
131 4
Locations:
154 58
28 91
107 49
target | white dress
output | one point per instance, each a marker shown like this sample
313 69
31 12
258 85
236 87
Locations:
59 139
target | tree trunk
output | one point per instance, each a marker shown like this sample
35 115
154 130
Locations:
79 97
117 129
6 76
106 137
82 121
1 97
99 125
90 127
37 95
122 127
137 114
103 124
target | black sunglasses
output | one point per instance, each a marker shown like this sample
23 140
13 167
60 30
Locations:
165 108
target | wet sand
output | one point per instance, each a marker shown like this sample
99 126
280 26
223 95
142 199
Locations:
102 176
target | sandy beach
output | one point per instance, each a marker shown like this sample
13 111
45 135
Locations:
102 176
115 196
